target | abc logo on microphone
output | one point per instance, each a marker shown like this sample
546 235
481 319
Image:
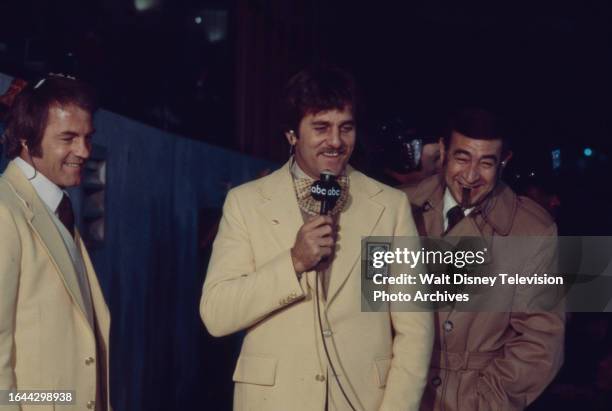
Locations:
327 191
319 190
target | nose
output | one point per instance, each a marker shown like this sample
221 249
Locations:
82 148
472 174
334 139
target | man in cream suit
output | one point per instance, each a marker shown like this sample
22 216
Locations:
54 323
276 265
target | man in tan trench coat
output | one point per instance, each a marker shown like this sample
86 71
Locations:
262 276
497 361
54 322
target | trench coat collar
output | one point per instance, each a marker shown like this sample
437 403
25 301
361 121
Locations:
497 211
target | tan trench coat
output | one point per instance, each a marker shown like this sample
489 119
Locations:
496 361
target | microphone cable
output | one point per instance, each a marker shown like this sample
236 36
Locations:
329 360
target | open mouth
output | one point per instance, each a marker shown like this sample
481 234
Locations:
463 186
332 153
74 165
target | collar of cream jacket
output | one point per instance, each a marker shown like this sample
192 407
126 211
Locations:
49 193
280 179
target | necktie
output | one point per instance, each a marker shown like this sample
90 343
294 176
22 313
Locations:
454 215
65 214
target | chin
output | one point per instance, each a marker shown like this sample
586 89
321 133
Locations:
336 168
477 199
333 169
71 182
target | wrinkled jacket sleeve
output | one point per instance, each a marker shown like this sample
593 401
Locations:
10 257
532 358
236 293
412 343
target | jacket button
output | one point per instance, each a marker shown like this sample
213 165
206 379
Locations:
327 333
91 405
89 361
320 377
448 326
436 381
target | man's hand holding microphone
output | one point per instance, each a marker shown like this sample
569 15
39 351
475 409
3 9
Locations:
316 239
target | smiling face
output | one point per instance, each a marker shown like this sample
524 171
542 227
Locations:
65 145
471 163
325 141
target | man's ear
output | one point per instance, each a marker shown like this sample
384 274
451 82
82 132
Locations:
25 150
291 137
506 159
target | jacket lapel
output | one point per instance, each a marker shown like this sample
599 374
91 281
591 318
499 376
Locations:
45 229
494 216
357 221
428 205
280 208
101 313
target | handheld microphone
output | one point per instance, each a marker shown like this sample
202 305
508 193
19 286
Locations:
327 191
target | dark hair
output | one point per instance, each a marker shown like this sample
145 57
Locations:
27 118
317 89
478 124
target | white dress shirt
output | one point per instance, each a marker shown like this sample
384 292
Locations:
450 202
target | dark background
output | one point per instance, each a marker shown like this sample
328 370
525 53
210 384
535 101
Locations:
213 71
544 64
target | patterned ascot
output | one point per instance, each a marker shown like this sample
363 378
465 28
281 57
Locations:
311 206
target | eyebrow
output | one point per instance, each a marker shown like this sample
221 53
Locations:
328 123
74 134
68 133
467 153
320 123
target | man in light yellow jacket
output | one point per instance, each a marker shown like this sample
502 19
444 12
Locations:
277 265
54 322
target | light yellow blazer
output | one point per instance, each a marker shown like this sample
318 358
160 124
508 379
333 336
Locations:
381 358
46 340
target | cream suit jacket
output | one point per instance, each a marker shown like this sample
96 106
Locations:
381 358
46 341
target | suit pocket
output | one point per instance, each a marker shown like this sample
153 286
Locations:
381 370
255 370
